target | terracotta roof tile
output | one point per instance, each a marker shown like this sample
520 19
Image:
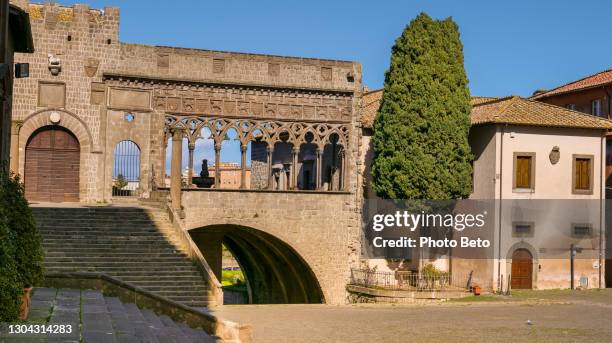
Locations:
370 104
476 100
519 111
508 110
595 80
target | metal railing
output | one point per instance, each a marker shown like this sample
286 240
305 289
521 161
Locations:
411 281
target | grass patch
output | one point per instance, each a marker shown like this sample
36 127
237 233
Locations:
232 278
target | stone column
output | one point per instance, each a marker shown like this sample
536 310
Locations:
318 168
175 170
14 161
243 158
191 148
164 148
217 165
334 167
270 150
294 167
343 171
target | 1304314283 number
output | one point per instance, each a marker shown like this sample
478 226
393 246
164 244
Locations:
34 329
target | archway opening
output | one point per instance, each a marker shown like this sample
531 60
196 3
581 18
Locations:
126 169
52 164
274 272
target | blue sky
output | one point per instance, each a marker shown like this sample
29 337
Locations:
510 47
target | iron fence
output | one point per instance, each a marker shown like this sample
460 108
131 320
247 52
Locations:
411 281
126 169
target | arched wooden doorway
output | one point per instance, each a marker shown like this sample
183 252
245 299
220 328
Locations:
52 165
522 269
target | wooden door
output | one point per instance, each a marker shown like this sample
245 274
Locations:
522 269
52 165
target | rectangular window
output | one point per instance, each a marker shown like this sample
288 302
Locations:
583 174
524 171
596 107
522 229
581 230
571 107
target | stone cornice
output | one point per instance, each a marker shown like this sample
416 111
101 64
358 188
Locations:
225 84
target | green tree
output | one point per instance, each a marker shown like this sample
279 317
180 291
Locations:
420 141
120 182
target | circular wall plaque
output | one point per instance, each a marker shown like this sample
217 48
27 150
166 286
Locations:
55 117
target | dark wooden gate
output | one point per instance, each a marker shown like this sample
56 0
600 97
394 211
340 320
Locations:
52 165
522 269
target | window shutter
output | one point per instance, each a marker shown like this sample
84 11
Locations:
523 172
583 173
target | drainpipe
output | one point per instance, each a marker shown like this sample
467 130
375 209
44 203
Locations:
601 203
501 173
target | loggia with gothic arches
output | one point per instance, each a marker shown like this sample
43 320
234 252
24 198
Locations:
95 110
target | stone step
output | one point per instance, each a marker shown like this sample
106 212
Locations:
137 245
139 278
76 252
171 277
107 319
196 293
117 269
178 290
97 260
122 254
171 264
159 284
110 240
157 274
105 239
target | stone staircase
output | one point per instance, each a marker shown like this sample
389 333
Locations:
96 318
135 244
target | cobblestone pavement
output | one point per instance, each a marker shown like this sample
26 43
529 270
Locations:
98 319
555 316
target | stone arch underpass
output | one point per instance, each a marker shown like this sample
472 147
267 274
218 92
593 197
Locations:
275 272
294 247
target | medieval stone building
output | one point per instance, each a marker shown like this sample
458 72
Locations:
97 118
89 92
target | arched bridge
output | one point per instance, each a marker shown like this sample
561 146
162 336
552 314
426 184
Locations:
294 247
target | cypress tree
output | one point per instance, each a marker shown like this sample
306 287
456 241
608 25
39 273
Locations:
420 140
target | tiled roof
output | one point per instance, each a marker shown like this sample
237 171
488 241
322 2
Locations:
370 104
477 100
508 110
519 111
595 80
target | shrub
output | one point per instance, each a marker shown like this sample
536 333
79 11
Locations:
429 270
10 288
27 241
